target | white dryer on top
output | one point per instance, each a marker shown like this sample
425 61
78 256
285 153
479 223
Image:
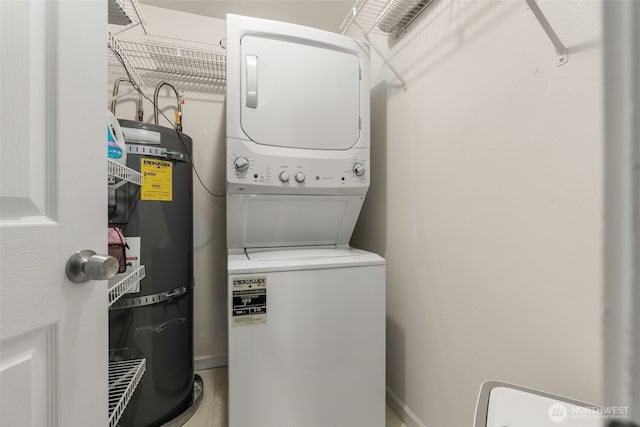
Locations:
297 134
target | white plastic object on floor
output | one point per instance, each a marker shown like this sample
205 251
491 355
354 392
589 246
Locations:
502 404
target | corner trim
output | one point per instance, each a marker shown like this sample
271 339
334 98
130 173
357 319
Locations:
209 362
406 415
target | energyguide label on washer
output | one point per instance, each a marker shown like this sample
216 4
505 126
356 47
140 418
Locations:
157 180
249 300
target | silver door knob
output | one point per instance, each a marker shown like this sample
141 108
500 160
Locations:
87 265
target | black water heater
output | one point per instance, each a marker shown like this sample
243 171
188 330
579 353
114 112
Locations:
157 322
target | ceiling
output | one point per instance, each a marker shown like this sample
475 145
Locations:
323 14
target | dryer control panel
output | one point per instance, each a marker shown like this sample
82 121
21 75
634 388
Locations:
256 173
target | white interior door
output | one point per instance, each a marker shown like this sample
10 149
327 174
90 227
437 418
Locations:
53 333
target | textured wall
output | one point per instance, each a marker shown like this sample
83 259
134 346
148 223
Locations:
486 201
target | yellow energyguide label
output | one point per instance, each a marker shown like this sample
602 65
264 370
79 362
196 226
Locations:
157 180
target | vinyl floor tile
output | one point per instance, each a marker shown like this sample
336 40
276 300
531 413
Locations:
212 411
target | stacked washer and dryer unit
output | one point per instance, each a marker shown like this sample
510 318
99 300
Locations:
306 312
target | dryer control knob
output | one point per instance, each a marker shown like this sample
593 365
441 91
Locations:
241 164
300 177
358 169
284 176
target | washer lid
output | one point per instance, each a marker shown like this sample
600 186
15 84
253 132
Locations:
290 259
298 254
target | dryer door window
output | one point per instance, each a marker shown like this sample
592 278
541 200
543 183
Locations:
298 95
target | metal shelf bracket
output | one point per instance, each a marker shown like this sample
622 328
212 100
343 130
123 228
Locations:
383 56
561 50
128 14
366 15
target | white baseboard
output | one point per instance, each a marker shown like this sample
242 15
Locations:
209 362
406 415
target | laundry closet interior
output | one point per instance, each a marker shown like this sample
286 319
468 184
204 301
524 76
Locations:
355 214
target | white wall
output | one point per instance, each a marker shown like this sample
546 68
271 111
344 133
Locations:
204 122
323 14
486 201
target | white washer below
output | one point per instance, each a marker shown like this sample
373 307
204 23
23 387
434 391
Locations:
313 353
